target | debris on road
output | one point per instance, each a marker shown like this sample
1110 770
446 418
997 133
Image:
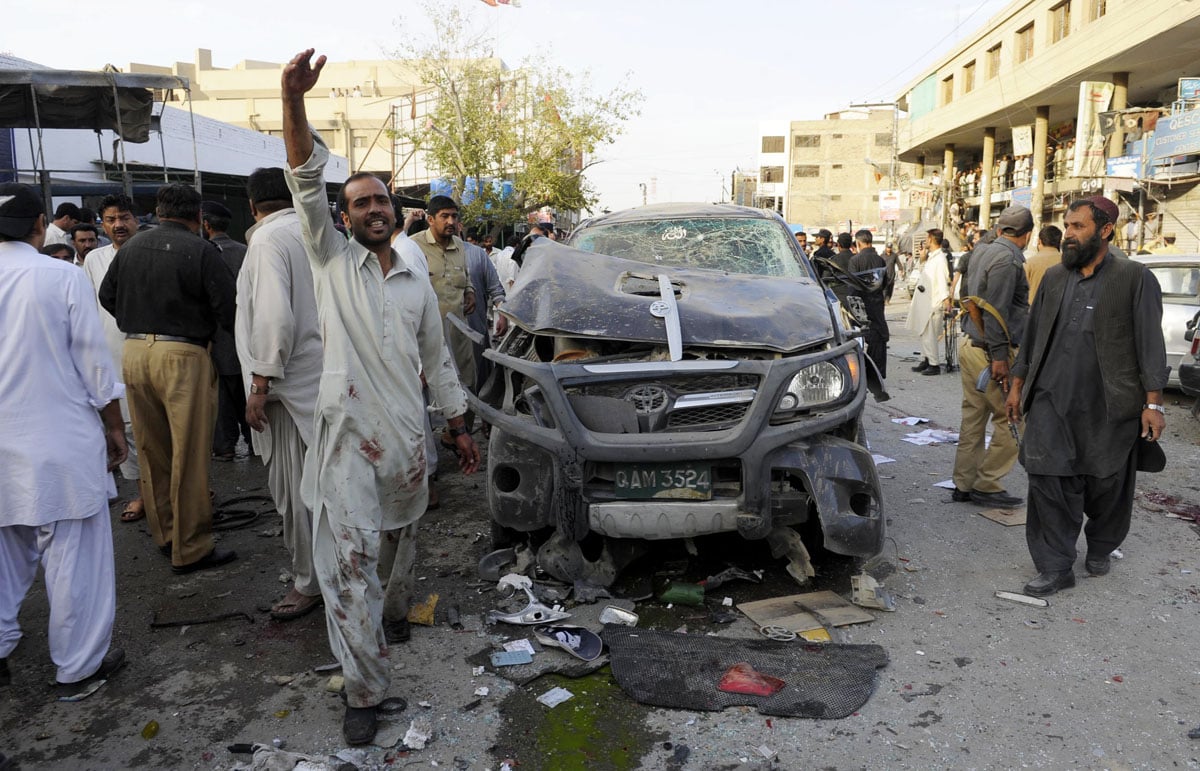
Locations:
931 436
910 421
1024 599
731 574
581 643
679 671
1006 517
511 658
420 731
866 592
156 624
682 593
555 696
790 612
533 613
745 679
614 615
422 612
150 730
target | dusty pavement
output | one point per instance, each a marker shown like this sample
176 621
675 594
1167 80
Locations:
1106 677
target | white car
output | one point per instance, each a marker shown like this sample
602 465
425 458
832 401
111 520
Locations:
1179 277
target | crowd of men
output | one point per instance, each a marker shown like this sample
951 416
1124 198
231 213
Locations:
326 345
1061 351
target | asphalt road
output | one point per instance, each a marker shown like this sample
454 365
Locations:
1106 677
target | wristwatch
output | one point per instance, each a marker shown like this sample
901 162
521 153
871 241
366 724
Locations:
457 432
254 389
1155 407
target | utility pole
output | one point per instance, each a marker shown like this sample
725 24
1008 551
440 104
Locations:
642 185
894 162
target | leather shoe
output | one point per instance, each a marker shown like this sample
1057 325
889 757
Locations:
397 631
1098 566
924 365
112 661
960 496
214 558
359 725
998 500
932 369
1047 584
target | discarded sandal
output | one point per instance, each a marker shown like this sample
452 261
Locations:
134 510
295 605
581 643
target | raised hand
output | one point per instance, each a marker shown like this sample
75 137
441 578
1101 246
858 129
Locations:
301 73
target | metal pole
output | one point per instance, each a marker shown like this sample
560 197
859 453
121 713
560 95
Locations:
126 181
39 160
195 152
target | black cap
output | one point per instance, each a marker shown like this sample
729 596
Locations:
216 209
823 233
20 206
1015 220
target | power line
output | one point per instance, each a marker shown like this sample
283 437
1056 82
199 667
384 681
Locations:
934 47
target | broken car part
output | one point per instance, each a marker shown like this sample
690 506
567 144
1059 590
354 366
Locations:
533 613
866 592
614 615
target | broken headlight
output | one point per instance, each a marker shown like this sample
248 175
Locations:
817 385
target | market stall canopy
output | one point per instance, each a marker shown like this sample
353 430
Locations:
78 99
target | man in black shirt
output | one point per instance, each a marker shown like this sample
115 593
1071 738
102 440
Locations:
169 292
823 250
877 334
231 390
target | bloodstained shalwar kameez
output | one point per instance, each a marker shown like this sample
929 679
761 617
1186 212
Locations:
365 470
54 480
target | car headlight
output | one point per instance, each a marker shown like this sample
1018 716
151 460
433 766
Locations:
816 385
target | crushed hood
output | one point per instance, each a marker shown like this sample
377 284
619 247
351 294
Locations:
561 290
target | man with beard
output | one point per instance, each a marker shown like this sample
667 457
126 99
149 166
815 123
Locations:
802 240
119 223
997 286
1089 377
364 475
877 335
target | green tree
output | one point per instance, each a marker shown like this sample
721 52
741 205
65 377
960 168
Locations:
538 125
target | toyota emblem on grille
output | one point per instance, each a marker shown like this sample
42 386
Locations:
647 399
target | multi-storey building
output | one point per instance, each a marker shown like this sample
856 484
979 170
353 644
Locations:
1034 106
830 172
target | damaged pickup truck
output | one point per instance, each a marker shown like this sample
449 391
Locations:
675 371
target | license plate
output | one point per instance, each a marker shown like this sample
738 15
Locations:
689 481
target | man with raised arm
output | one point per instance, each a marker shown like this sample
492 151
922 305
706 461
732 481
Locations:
364 475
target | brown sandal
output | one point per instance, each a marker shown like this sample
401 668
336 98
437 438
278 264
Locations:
134 510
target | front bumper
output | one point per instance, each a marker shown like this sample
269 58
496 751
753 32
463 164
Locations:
1189 377
550 469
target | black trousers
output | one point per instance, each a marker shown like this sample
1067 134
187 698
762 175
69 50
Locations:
1057 506
231 414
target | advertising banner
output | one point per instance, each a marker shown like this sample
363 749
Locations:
889 205
1094 98
1022 140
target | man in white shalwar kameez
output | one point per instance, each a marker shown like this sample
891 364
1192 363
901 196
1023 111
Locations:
930 302
279 347
116 217
364 474
60 435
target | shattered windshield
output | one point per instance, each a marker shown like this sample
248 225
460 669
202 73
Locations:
737 245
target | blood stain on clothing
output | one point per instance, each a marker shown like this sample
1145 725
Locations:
341 614
372 449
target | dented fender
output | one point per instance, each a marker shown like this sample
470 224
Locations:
844 484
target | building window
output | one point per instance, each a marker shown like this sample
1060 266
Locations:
948 89
361 141
1025 43
836 166
835 198
771 174
883 139
1060 21
807 140
993 61
806 171
968 77
837 136
772 145
1096 9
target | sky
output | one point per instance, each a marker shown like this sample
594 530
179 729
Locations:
710 70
